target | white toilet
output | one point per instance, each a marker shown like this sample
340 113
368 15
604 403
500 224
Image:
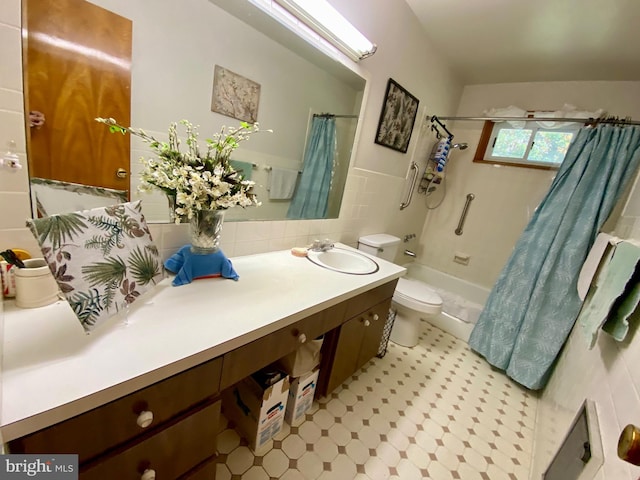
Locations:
411 300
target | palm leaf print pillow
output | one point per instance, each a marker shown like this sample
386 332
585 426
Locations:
103 259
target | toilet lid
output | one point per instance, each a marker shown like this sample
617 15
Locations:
418 291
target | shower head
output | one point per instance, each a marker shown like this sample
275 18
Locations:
461 146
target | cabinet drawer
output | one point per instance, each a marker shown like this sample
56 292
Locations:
368 299
205 471
110 425
170 453
245 360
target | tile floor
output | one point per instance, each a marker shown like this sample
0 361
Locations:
435 411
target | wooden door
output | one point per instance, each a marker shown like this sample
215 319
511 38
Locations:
77 64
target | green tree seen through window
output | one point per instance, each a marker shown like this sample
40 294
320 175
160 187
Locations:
550 147
511 143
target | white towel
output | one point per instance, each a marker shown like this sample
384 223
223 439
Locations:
598 252
282 183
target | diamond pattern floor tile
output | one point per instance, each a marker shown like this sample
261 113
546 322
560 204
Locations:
435 411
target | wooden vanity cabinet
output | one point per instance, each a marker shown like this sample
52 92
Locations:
373 320
204 471
349 346
245 360
169 429
149 421
360 319
187 441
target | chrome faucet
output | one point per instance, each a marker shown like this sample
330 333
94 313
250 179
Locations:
322 245
409 253
409 237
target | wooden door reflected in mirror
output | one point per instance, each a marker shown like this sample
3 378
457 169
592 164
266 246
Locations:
77 63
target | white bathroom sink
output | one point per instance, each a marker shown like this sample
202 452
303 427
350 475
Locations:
344 261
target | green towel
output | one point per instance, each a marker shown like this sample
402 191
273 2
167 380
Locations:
617 324
243 167
615 296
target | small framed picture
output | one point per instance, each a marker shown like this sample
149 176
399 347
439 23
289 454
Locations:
234 95
397 117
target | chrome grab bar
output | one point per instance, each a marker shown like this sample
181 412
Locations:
414 167
465 210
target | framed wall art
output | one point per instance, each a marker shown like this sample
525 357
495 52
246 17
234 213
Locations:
234 95
396 118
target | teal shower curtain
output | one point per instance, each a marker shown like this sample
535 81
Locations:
534 303
311 197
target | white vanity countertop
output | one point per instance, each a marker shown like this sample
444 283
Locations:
52 370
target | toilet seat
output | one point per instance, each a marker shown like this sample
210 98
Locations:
418 296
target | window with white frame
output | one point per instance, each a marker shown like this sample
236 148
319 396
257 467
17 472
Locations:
525 144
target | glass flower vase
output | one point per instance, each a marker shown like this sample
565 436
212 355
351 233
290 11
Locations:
171 200
205 228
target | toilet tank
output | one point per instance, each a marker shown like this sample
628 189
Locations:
380 244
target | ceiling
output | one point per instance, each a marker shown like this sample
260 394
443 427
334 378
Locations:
495 41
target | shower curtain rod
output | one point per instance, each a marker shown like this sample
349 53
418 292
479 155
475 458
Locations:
621 121
331 115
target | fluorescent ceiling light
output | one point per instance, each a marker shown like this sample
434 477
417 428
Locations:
327 22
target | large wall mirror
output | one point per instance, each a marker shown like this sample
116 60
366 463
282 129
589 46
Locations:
148 63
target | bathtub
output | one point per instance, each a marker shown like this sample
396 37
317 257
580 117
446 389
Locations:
462 301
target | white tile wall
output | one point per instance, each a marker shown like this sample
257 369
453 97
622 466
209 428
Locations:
11 77
14 193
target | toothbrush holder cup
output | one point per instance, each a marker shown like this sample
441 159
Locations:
35 286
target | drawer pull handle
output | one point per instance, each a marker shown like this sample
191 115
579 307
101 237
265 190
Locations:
144 420
367 323
302 338
148 474
374 316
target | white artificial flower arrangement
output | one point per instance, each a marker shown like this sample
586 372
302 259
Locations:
198 180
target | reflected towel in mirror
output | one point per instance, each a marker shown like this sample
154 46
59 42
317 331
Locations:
282 183
244 168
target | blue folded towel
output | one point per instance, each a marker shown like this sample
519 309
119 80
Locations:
189 266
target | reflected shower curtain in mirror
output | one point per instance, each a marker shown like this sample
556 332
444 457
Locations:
311 198
534 303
